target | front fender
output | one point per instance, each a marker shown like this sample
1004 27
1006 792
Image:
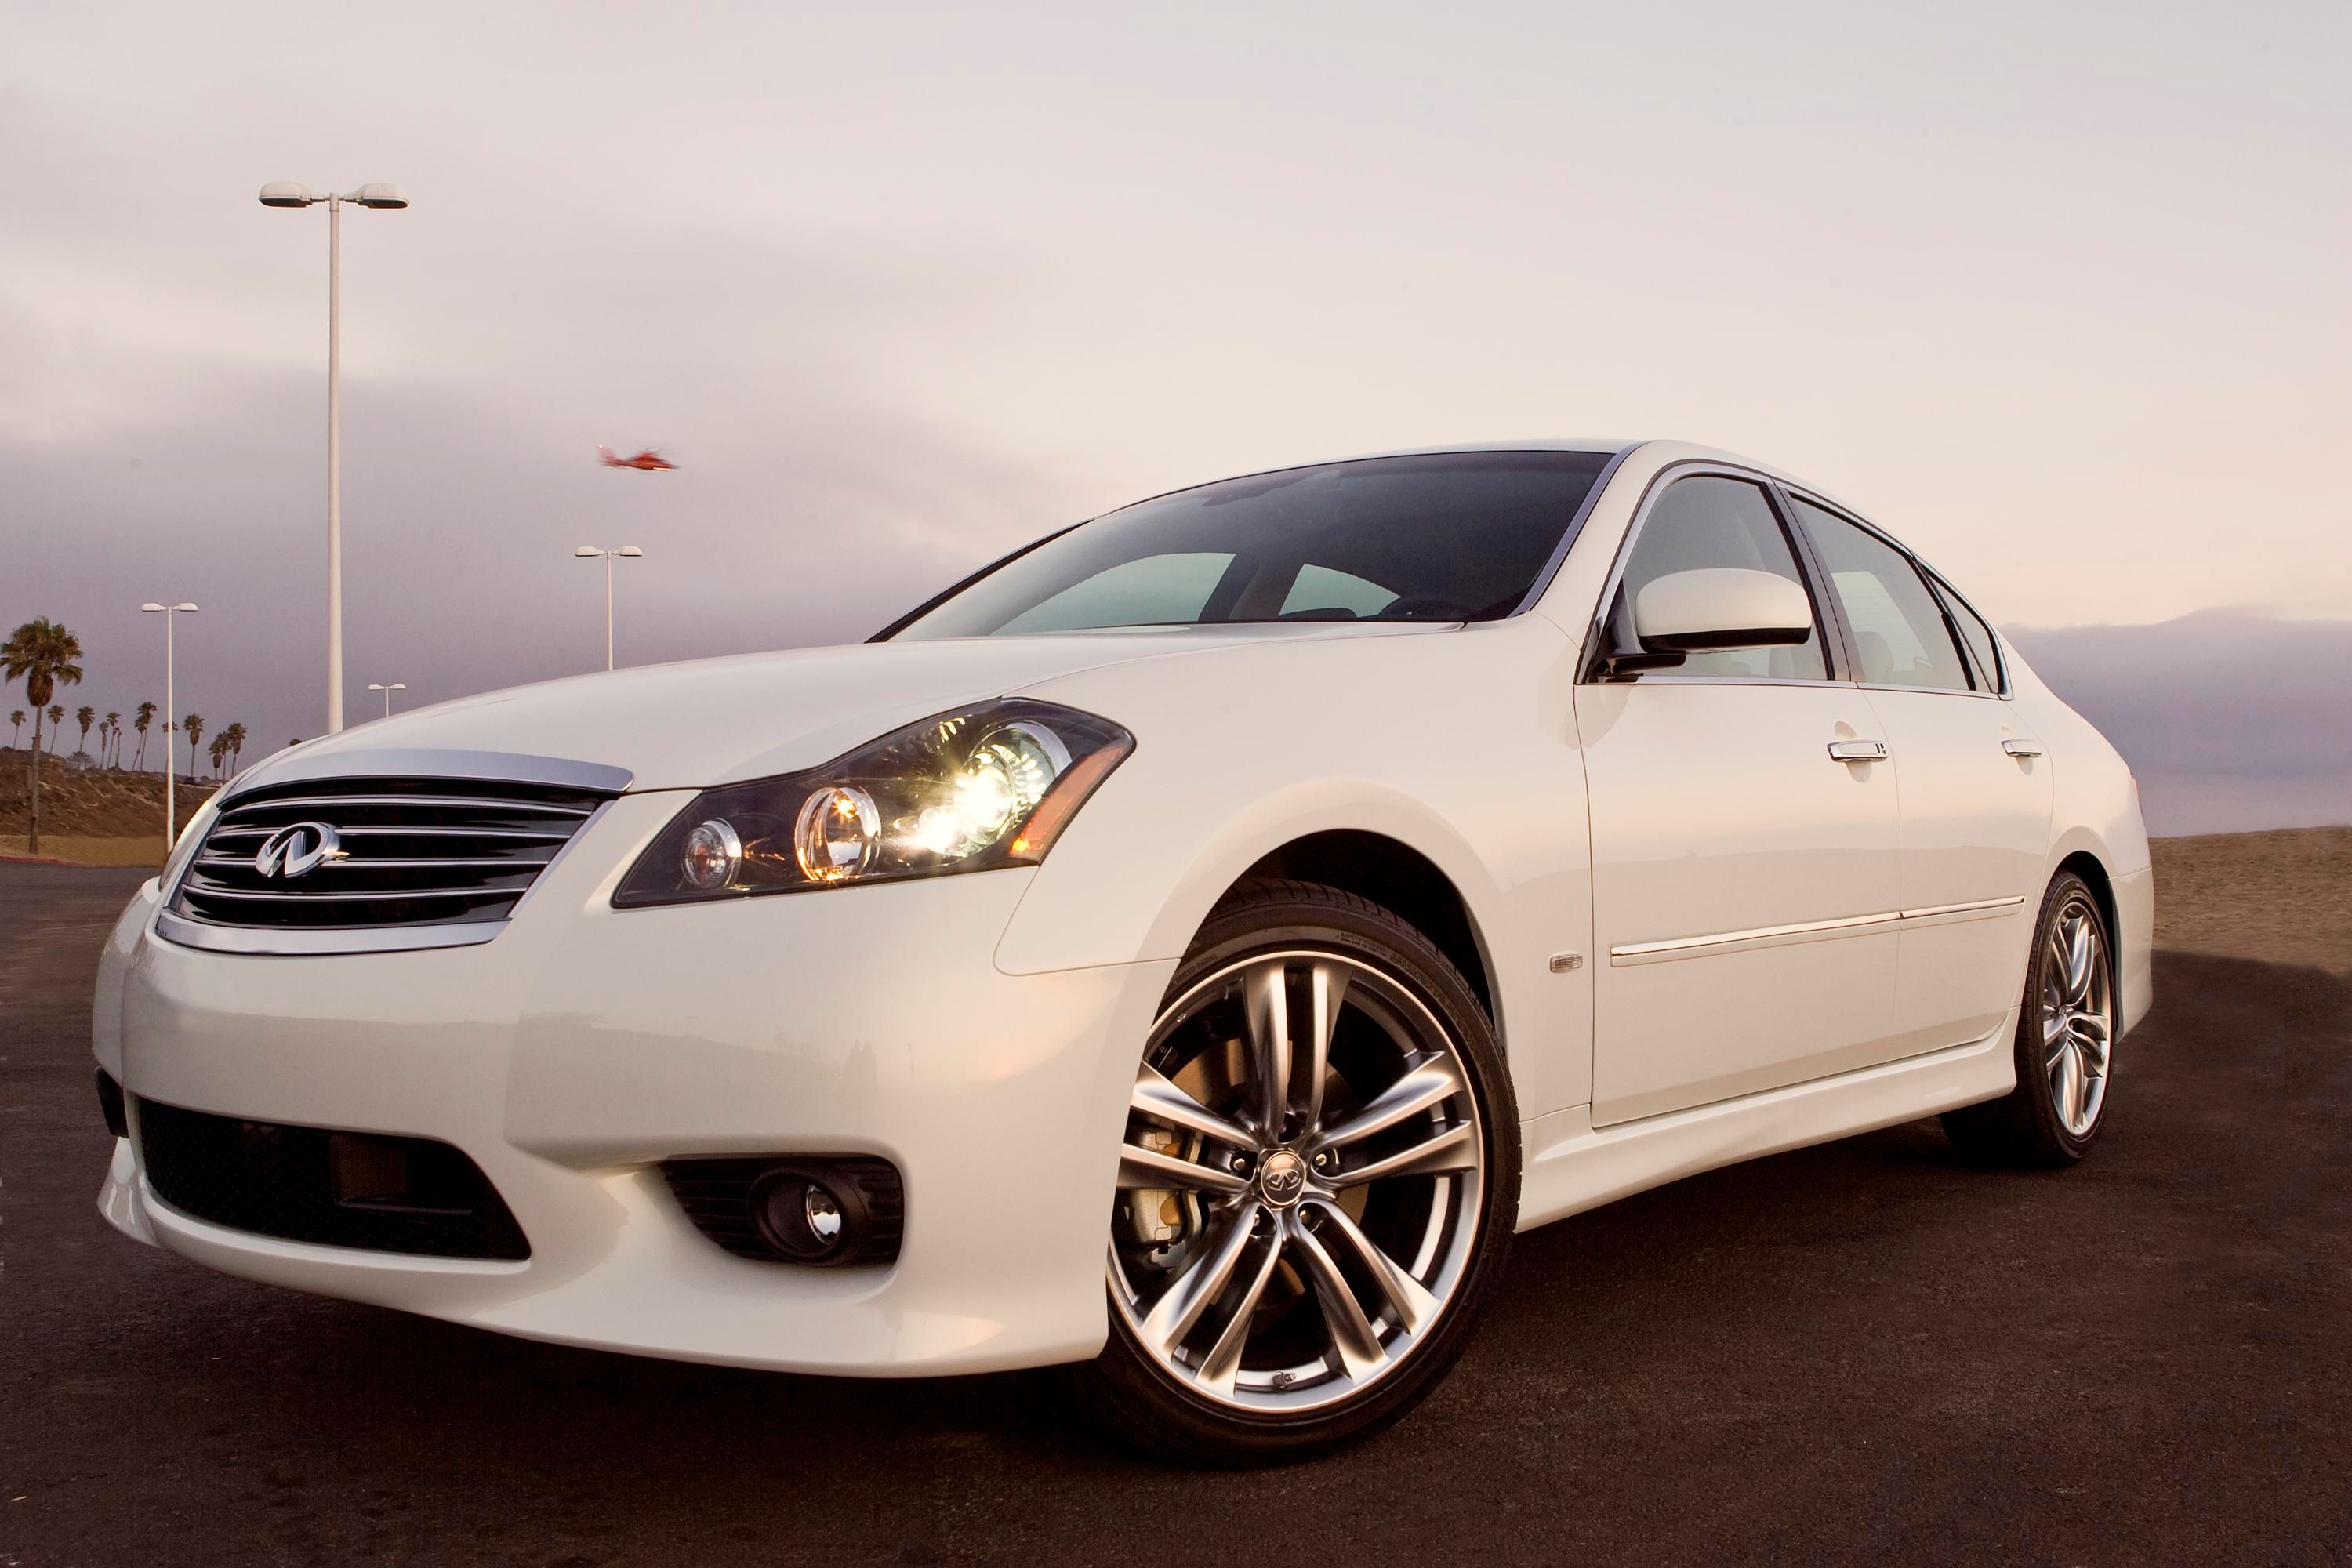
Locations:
1461 746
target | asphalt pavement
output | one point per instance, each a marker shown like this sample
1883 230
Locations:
1864 1353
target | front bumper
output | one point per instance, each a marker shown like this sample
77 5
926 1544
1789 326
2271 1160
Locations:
585 1044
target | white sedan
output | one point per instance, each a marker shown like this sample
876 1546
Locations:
1189 948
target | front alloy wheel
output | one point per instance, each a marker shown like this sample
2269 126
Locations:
1308 1192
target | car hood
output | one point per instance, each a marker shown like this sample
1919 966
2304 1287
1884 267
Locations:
720 720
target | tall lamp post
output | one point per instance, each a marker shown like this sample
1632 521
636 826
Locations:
388 690
383 196
170 822
627 552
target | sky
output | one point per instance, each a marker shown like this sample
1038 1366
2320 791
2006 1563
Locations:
2054 292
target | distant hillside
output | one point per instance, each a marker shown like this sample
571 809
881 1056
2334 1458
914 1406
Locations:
89 803
2233 721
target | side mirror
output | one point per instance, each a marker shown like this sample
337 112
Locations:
1718 607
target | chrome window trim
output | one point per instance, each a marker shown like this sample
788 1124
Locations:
424 762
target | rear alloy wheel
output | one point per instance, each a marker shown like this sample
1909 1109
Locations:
1318 1176
2065 1041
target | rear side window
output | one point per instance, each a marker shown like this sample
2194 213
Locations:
1976 634
1709 521
1899 633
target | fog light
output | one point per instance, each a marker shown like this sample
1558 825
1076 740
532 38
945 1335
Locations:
807 1218
824 1215
817 1210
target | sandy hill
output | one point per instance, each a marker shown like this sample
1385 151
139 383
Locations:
88 802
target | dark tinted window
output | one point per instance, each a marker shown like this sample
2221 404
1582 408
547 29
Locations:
1975 633
1446 537
1898 628
1708 521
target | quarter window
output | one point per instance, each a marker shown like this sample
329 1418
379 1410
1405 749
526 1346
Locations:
1975 633
1712 522
1900 636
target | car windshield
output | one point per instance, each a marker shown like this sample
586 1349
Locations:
1456 536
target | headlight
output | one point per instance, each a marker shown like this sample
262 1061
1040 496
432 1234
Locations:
963 792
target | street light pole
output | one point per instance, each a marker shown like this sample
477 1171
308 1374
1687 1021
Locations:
627 552
378 195
388 690
171 819
334 464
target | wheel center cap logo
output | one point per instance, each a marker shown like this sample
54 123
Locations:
297 851
1281 1177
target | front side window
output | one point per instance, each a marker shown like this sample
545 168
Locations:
1454 536
1711 522
1900 636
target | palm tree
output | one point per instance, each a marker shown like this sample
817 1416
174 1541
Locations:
114 737
17 718
42 654
235 736
192 727
219 751
88 716
146 716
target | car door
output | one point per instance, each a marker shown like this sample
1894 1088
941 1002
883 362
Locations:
1976 791
1745 877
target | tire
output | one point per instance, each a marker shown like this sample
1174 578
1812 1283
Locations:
1389 1180
2065 1040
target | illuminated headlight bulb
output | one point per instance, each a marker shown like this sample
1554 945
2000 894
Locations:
1005 777
837 833
710 855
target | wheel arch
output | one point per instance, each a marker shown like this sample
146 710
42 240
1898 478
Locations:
1400 879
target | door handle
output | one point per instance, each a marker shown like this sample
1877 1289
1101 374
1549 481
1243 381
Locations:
1858 750
2021 748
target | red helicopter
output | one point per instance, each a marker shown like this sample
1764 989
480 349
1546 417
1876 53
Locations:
650 460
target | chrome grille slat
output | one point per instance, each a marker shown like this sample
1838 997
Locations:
392 897
416 852
476 803
354 863
405 830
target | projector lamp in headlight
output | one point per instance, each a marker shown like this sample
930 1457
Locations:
835 834
711 854
963 792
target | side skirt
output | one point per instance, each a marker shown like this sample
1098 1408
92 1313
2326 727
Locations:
1570 1167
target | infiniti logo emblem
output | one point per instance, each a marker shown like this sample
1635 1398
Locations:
1281 1177
298 850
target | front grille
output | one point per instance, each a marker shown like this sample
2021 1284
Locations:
406 852
362 1190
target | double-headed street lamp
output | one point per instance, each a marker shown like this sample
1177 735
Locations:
286 194
388 690
627 552
171 824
